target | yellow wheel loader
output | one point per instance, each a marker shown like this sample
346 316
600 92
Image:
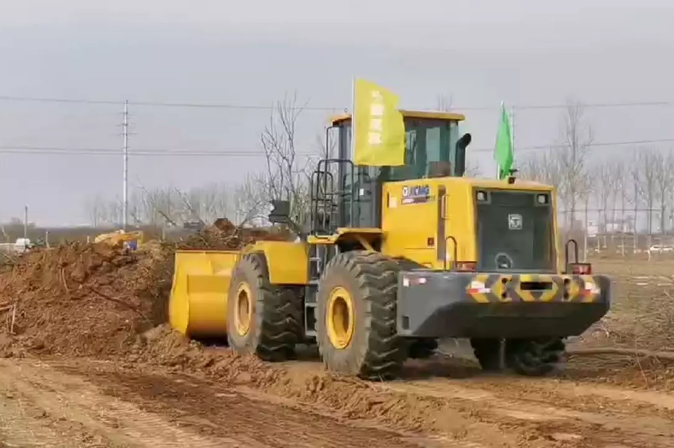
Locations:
394 259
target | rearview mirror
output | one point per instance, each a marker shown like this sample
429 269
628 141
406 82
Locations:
280 212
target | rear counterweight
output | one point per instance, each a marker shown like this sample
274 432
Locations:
439 304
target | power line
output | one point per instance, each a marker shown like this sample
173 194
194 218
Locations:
28 150
312 108
182 152
586 105
597 144
160 104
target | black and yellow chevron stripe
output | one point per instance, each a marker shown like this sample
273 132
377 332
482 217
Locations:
512 288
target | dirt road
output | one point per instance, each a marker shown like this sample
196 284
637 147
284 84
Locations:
98 404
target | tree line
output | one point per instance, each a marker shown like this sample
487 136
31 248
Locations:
617 187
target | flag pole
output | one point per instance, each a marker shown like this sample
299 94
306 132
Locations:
512 129
498 126
353 117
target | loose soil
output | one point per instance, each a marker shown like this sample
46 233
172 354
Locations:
88 362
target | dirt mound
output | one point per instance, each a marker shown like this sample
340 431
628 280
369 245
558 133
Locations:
168 348
95 299
224 235
76 299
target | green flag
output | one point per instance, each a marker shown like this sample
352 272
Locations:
503 153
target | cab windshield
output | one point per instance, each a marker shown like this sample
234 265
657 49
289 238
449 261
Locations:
426 141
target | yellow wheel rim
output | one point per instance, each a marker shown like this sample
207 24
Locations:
243 309
339 318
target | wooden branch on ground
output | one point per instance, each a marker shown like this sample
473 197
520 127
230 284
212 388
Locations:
120 302
11 326
669 356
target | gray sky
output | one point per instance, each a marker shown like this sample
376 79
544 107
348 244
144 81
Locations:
480 52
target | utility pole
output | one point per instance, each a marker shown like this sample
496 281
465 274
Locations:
125 188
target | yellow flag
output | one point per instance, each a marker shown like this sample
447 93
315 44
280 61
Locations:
378 127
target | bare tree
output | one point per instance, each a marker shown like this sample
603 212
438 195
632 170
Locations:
165 206
160 207
444 102
572 156
136 208
95 209
251 201
586 189
207 203
664 184
604 189
327 149
542 167
472 169
645 175
285 177
620 189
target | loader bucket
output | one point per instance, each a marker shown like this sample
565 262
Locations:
198 302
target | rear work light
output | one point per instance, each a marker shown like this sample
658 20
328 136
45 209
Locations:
466 266
581 268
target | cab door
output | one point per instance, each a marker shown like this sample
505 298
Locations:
409 221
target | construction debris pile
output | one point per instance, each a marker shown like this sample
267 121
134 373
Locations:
96 299
224 235
78 299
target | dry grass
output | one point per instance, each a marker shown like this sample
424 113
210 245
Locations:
642 314
639 329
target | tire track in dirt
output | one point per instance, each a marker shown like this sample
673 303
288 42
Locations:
559 409
112 407
550 418
59 402
188 401
458 400
107 405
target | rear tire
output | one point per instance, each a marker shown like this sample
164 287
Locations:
488 353
364 286
268 322
535 357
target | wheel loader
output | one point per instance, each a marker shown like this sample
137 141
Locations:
392 260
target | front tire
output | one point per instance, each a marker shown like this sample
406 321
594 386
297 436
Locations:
262 319
356 320
488 353
535 357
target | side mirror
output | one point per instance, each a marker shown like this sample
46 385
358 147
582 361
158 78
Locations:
280 212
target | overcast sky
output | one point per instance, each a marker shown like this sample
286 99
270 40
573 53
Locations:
482 52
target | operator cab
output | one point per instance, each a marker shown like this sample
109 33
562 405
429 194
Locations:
431 140
346 195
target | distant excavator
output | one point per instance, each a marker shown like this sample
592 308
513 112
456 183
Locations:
395 258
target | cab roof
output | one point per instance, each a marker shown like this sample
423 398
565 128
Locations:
421 114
